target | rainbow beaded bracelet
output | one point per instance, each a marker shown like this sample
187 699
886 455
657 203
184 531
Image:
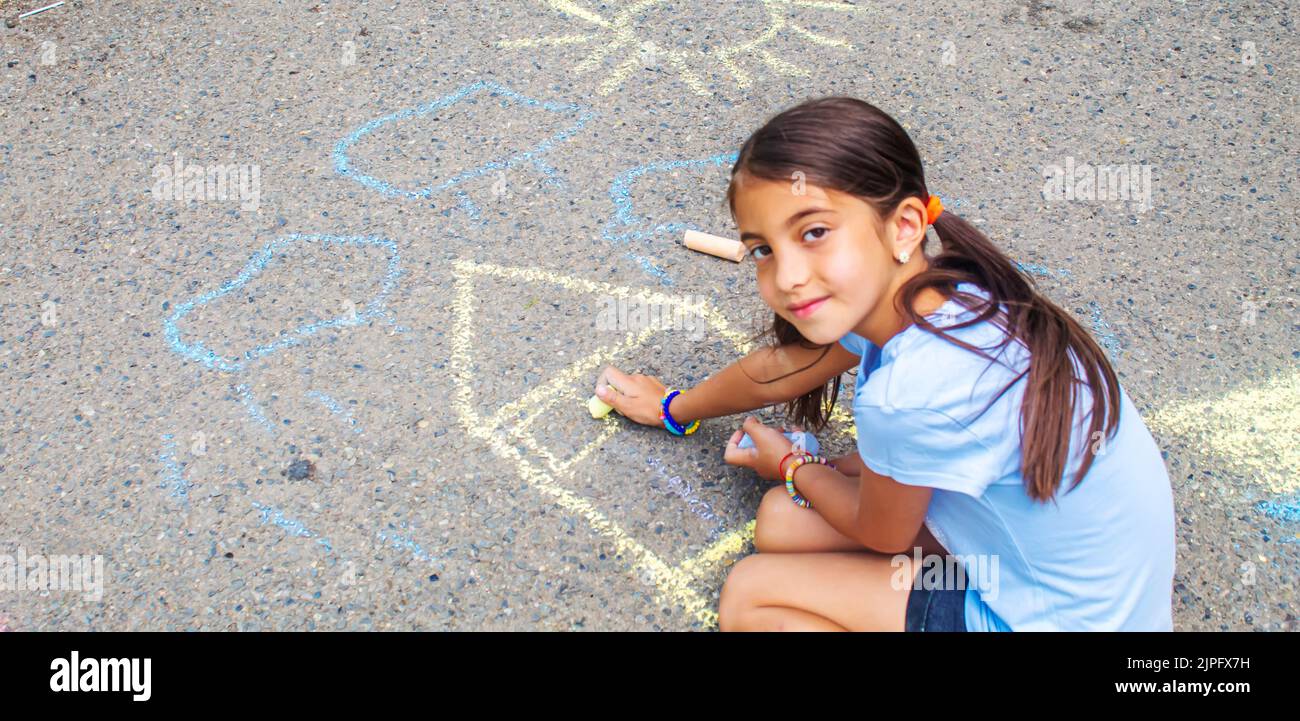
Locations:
799 460
671 423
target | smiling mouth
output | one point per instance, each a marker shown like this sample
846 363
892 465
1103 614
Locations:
804 310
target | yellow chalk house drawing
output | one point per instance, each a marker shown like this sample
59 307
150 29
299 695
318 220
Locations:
553 476
619 36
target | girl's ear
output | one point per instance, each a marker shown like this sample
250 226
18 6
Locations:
908 227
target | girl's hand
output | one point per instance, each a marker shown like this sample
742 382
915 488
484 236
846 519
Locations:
638 397
769 448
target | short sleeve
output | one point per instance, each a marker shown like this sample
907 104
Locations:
924 447
854 343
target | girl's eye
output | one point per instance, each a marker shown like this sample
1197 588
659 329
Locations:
823 232
754 252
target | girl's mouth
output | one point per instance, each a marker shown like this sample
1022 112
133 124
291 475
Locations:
807 308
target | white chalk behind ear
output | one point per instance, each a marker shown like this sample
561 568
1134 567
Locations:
732 250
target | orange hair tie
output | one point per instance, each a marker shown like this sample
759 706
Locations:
933 209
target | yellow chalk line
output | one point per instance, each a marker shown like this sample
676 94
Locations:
725 55
596 287
624 69
729 545
780 65
1256 428
534 402
561 467
612 427
625 35
557 466
554 40
821 39
593 59
819 4
571 8
672 585
778 23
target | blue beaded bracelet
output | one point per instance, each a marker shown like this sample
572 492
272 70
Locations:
671 423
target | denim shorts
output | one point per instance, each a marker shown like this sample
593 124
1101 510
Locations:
939 609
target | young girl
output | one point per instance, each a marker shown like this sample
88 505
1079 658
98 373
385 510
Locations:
990 425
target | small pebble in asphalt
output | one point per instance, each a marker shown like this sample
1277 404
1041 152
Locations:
299 469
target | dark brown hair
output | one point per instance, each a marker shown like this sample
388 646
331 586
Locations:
851 146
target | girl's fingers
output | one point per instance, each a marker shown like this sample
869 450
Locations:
734 441
743 457
611 383
735 455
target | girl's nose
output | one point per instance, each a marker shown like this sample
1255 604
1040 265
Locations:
791 271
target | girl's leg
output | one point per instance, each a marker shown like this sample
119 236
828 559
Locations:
783 527
816 591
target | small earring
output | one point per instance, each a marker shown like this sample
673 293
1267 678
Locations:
902 257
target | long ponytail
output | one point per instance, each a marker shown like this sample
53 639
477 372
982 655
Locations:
1059 349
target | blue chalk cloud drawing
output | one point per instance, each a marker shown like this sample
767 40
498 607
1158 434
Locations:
344 165
626 227
374 309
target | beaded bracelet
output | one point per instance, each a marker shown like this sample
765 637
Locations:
780 465
671 423
789 477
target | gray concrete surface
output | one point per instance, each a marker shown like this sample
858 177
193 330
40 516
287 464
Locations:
337 463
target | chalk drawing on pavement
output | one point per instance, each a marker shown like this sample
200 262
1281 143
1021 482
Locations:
533 156
173 475
292 526
627 228
285 246
623 38
336 409
1254 431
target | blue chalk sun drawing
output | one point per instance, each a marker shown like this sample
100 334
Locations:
344 165
372 310
626 226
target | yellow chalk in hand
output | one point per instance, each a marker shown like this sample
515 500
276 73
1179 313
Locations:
598 408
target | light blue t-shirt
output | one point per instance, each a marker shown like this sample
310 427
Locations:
1100 558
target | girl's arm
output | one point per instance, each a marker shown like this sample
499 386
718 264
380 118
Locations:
877 511
850 465
731 390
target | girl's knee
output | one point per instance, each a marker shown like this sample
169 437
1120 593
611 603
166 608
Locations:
773 519
737 594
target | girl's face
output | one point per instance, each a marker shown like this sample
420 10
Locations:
824 260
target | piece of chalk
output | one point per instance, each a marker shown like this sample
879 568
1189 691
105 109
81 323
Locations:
809 441
732 250
598 408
